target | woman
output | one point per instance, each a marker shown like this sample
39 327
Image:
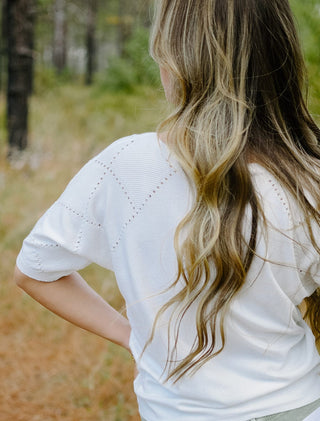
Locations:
211 227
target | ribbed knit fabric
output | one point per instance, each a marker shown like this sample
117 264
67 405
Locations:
121 212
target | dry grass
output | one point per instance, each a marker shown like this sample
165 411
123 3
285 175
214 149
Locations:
50 370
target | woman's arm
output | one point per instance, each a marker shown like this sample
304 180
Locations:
74 300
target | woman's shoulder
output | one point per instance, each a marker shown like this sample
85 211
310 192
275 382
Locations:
273 197
130 147
139 155
266 184
138 163
280 206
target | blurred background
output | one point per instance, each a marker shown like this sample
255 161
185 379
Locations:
74 76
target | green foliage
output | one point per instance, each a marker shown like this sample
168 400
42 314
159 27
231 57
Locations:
44 3
308 18
135 68
307 14
46 79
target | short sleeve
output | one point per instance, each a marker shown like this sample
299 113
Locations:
72 233
307 257
288 237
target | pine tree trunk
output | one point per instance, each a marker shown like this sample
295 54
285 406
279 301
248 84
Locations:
19 17
59 38
3 46
30 42
91 40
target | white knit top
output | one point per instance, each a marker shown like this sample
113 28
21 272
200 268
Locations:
121 211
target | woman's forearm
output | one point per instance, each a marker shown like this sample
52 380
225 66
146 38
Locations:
74 300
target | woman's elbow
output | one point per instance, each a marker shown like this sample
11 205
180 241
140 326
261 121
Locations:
19 278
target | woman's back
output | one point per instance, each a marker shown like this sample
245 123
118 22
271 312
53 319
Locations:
269 362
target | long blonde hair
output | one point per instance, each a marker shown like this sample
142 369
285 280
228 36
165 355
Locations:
238 81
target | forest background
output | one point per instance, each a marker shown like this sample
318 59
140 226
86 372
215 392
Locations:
50 370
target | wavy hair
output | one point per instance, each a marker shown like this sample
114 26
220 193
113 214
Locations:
238 85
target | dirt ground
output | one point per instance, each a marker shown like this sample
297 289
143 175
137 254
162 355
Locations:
50 370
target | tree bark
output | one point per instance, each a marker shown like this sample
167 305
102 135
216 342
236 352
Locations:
59 57
19 17
2 43
31 44
91 41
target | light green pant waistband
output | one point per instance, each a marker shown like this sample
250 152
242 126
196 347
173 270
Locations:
298 414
